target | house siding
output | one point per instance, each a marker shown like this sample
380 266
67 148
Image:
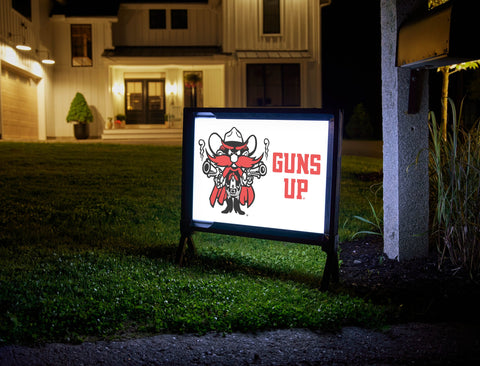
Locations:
91 81
298 42
243 26
232 26
36 32
133 27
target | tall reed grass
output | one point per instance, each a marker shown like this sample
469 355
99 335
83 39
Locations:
455 188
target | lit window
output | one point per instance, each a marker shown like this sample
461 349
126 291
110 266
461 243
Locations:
81 45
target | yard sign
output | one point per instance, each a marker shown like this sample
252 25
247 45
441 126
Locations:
265 173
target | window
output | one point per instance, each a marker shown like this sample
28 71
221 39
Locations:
81 45
271 16
24 7
179 19
273 85
158 19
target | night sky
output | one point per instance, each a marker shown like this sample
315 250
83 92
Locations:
351 57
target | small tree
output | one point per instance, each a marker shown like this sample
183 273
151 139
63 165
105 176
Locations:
446 72
79 110
359 125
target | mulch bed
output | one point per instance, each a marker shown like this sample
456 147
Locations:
417 288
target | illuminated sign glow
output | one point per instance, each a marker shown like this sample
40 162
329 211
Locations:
263 173
267 173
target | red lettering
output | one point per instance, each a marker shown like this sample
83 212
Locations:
302 188
315 164
277 163
296 163
302 163
291 168
292 189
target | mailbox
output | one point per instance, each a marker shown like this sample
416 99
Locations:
447 35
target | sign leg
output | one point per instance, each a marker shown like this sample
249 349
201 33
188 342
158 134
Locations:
186 242
331 271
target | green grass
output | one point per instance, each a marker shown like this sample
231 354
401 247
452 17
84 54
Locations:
88 234
361 185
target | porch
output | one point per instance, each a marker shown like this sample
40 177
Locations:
144 133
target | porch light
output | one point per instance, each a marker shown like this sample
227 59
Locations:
22 44
172 89
46 60
118 88
23 47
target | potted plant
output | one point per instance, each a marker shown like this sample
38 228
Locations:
81 115
120 120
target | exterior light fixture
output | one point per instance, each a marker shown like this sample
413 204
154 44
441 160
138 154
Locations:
171 88
46 60
22 45
118 89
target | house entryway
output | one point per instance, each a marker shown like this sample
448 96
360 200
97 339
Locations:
145 133
18 105
145 101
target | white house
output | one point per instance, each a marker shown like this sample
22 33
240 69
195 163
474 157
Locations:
147 60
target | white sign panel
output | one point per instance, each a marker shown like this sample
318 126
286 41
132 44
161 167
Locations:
261 173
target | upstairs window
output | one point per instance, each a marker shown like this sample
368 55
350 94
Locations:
271 17
81 45
24 7
179 18
158 19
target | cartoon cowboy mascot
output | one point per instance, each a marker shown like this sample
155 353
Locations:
231 164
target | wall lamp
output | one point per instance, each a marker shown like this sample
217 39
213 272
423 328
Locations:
22 44
45 60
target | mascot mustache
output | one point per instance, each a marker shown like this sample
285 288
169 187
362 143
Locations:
242 162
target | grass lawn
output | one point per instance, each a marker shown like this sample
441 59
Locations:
88 234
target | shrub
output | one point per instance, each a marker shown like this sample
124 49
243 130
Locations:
359 125
455 185
79 110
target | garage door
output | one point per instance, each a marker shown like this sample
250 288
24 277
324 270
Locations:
19 105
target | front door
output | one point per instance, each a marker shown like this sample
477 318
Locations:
145 101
